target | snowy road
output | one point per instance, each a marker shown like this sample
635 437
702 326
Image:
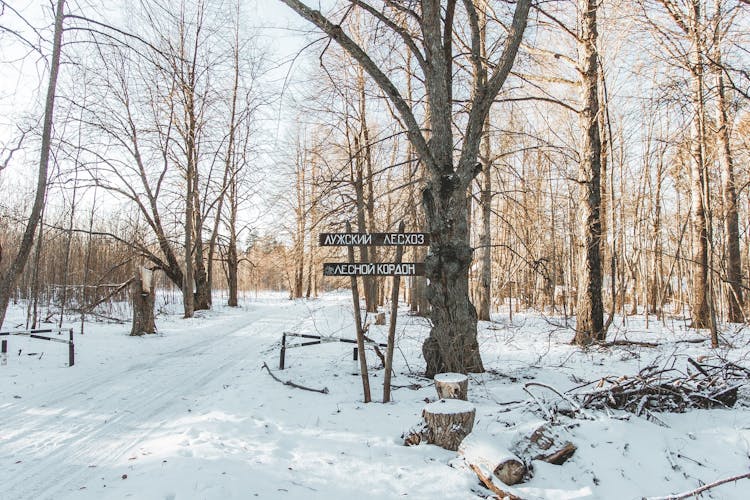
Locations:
188 414
62 431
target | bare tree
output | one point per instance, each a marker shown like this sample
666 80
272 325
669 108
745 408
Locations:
19 261
452 345
726 162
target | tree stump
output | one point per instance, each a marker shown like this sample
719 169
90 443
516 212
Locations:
452 385
448 422
144 297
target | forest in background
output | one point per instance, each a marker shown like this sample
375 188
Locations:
165 151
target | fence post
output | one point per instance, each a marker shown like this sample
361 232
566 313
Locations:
282 355
71 350
4 354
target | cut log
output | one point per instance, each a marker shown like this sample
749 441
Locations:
452 385
448 422
547 444
479 450
559 456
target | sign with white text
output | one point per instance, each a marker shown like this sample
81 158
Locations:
373 239
373 269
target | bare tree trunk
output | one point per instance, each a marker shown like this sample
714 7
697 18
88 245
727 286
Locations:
370 282
229 162
143 296
33 312
188 281
202 299
232 257
729 198
590 310
301 215
484 290
8 281
699 306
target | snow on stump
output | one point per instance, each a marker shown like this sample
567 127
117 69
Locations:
480 451
448 422
452 385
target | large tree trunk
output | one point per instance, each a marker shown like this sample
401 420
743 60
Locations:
452 345
8 281
144 297
589 309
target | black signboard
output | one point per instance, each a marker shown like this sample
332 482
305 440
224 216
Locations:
373 239
373 269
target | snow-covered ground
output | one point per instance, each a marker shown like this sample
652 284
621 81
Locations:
190 414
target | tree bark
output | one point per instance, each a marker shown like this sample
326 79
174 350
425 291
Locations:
589 309
8 281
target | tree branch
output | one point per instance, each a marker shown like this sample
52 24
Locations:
337 34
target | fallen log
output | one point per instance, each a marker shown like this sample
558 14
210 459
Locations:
479 450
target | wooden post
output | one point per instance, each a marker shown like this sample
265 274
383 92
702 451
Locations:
71 349
392 325
4 354
358 322
282 355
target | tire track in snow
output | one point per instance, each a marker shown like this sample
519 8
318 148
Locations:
65 467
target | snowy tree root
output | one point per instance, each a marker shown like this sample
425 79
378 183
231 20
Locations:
324 390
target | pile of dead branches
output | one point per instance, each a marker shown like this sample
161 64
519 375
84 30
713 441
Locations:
656 388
